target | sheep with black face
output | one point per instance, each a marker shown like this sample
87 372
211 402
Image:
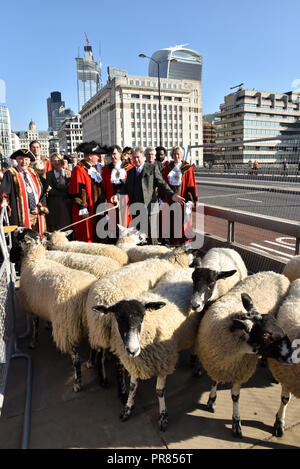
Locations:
148 333
237 329
215 274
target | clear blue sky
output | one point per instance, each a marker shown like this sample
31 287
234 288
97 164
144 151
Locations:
255 42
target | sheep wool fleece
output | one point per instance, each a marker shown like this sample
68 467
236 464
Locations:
218 349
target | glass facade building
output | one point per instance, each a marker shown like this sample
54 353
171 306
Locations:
5 131
88 77
187 64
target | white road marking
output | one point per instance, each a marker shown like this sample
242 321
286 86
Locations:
250 200
282 238
280 245
230 195
269 249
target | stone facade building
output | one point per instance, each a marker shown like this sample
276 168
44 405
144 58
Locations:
126 112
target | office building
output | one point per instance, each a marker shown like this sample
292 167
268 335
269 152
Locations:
53 102
43 136
176 63
209 137
5 132
126 112
88 76
252 115
59 115
70 134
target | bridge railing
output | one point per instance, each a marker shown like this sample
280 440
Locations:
225 235
8 339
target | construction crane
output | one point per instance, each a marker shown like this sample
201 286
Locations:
237 86
87 39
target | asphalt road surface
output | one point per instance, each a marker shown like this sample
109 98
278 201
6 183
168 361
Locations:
254 200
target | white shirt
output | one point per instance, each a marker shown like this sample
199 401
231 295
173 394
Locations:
117 173
175 176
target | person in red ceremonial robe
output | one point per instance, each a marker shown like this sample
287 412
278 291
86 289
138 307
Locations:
113 177
85 191
180 176
24 193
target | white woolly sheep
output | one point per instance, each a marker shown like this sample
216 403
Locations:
148 341
215 274
58 294
229 339
129 241
132 279
95 265
58 241
288 318
292 268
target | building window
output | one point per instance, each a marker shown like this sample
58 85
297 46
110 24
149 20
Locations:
135 96
146 96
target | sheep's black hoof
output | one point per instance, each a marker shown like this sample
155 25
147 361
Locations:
278 429
163 421
77 387
104 383
210 406
237 428
126 412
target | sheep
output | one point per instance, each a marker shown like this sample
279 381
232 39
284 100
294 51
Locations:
215 274
129 241
288 318
58 241
95 265
148 341
229 339
131 279
56 293
292 268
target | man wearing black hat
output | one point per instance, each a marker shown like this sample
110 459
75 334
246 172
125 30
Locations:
85 190
24 193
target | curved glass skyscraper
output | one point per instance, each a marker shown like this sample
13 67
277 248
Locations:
187 64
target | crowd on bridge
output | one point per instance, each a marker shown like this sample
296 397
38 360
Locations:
52 194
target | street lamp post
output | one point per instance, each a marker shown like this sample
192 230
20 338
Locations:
143 56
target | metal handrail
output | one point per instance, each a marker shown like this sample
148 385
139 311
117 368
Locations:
12 350
278 225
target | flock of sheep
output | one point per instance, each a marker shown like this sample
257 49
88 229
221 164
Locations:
145 304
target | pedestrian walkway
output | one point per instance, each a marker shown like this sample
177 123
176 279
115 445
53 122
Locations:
90 419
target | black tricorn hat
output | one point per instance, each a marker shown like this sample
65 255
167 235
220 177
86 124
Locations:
23 152
91 148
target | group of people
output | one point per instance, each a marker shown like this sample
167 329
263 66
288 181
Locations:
50 194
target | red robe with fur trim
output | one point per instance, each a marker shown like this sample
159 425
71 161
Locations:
188 191
84 193
13 189
109 190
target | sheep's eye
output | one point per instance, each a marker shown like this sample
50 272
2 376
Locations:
211 285
267 336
